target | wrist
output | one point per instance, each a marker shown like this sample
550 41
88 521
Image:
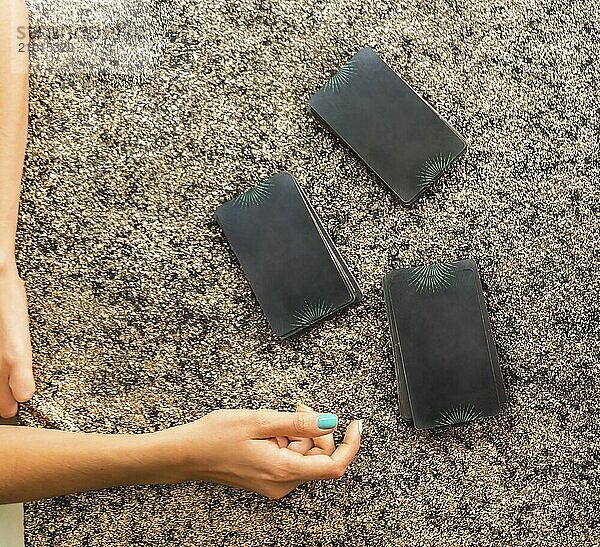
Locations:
186 450
166 459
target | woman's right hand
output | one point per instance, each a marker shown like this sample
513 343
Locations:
16 377
260 450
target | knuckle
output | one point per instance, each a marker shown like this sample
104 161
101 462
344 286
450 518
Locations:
261 420
280 472
300 422
338 471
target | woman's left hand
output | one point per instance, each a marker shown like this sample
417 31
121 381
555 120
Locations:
260 450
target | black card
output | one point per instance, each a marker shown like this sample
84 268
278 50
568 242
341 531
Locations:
446 361
395 132
294 269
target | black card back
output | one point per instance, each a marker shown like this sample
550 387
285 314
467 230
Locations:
293 274
447 356
395 132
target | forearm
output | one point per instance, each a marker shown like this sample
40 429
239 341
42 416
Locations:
42 463
14 94
262 451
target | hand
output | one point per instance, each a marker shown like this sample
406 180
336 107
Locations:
317 445
16 376
264 451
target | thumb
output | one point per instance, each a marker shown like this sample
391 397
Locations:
293 424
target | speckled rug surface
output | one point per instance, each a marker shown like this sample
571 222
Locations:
141 318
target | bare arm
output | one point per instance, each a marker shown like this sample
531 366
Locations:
264 451
40 463
14 93
16 379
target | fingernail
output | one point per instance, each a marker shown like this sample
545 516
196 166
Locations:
360 426
327 421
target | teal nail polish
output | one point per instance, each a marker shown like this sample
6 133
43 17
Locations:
327 421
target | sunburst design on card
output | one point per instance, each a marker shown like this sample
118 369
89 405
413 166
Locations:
433 169
432 277
458 415
255 196
342 77
310 313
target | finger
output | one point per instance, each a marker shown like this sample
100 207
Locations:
290 424
321 466
17 347
345 453
282 442
21 380
316 451
301 446
8 405
300 408
326 442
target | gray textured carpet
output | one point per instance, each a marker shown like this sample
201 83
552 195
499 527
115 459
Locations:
142 319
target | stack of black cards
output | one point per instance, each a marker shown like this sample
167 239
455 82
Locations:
446 363
395 132
295 270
